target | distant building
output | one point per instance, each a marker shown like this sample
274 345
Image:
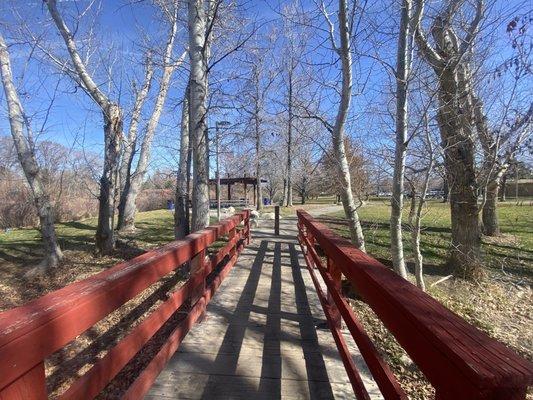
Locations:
523 186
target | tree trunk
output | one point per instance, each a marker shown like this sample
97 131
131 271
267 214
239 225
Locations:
415 242
343 169
105 237
402 75
446 191
503 187
137 178
112 113
289 144
461 176
283 200
259 193
181 211
491 226
455 118
130 144
198 110
26 156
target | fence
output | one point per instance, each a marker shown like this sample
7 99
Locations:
32 332
460 361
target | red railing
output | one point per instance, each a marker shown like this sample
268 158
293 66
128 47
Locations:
32 332
460 361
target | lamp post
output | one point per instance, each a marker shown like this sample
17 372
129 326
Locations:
218 124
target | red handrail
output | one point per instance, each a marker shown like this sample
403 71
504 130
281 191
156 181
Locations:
459 360
32 332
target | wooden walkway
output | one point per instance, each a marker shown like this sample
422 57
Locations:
263 336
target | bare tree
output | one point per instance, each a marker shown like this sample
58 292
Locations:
26 154
344 52
502 141
425 161
133 184
198 110
449 59
181 212
130 142
113 122
403 66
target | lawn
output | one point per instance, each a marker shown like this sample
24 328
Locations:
500 306
511 253
21 249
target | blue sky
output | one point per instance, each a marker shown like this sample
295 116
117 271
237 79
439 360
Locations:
73 119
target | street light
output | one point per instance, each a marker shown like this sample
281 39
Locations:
218 125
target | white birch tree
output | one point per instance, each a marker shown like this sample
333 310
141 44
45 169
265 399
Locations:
403 67
135 180
25 149
113 122
344 52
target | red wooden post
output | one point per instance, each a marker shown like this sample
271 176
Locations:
276 220
198 275
247 224
255 195
30 386
231 235
336 276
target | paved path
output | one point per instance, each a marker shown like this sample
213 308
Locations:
259 340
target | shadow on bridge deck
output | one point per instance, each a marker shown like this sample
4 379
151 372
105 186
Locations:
259 339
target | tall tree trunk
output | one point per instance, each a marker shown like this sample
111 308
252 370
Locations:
105 238
455 118
112 114
461 175
283 200
258 189
503 187
130 143
198 111
26 156
445 190
416 221
137 177
289 142
489 213
181 212
343 168
402 76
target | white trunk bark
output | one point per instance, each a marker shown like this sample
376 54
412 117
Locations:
131 143
28 161
343 169
105 236
137 177
181 212
112 114
289 142
402 76
198 111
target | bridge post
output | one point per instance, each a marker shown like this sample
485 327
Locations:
336 276
276 220
248 230
198 275
30 386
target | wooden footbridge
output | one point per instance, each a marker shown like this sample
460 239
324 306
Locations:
257 319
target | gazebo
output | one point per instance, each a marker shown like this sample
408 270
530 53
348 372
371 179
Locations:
245 181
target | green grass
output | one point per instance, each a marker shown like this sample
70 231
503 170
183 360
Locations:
512 253
24 245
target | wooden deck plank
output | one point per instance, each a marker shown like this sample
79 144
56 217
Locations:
259 339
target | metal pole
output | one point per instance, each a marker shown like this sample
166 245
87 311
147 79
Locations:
218 171
276 220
